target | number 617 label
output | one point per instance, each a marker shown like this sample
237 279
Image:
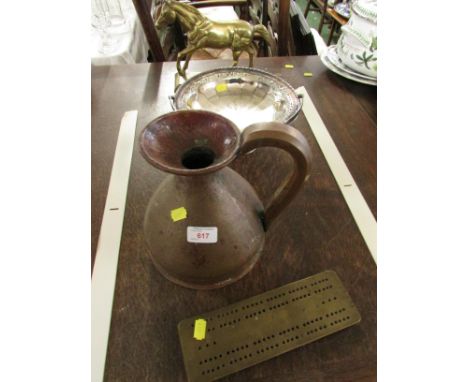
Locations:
202 234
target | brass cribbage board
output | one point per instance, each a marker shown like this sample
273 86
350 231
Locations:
267 325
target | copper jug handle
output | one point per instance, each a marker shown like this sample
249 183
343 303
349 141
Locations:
275 134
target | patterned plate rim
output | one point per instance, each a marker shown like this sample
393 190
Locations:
343 66
326 61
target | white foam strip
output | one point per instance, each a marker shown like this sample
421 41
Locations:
107 253
351 193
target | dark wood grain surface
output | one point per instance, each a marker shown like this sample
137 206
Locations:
315 233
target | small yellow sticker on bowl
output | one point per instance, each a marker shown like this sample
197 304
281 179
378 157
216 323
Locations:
178 214
221 87
199 329
308 74
289 66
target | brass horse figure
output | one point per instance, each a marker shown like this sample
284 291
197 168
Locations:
238 35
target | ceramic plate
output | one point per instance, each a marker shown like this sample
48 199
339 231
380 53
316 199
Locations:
349 74
335 59
342 9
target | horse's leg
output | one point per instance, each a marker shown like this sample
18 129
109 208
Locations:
179 57
187 59
235 56
250 58
251 51
184 53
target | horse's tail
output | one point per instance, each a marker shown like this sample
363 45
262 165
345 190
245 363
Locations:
260 30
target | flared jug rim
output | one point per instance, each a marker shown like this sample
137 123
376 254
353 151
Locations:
190 142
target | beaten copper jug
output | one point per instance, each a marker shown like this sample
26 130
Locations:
205 225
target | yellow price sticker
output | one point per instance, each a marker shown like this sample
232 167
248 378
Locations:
289 66
221 87
178 214
199 329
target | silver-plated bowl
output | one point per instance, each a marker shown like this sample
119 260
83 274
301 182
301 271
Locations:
243 95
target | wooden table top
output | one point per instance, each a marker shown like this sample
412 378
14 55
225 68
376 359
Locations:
315 233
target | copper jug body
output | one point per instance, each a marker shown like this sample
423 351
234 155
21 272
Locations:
205 225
